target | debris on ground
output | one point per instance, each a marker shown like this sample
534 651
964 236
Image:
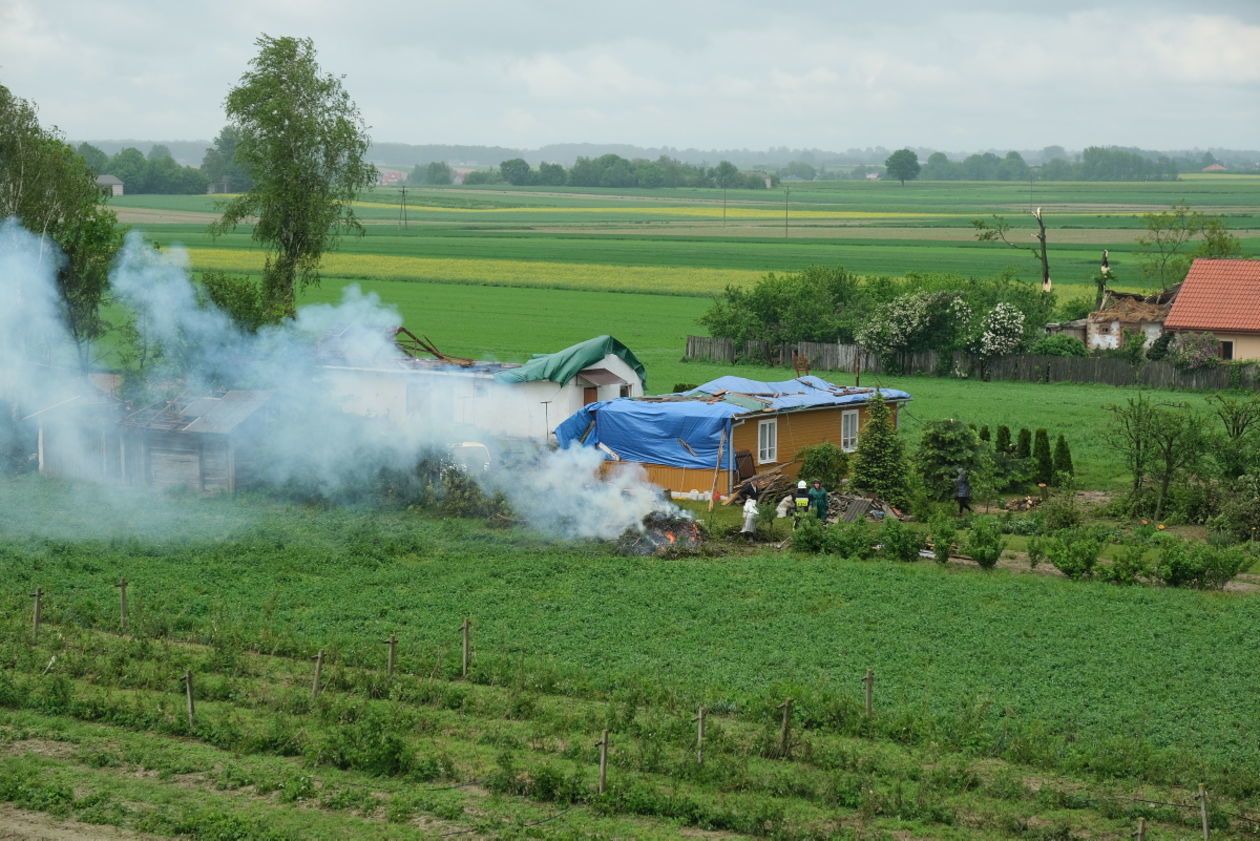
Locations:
1022 503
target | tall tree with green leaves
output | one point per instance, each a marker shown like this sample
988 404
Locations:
303 142
1165 247
879 465
49 188
903 165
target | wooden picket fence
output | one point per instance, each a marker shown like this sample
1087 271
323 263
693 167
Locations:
1025 368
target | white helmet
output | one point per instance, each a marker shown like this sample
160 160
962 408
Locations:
800 484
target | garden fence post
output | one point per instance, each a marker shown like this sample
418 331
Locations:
122 603
466 628
869 680
699 719
319 667
603 762
392 642
1203 812
38 596
188 693
785 743
1141 830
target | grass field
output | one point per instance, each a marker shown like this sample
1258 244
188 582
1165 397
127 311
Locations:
1002 701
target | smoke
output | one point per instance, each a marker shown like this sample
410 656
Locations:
315 432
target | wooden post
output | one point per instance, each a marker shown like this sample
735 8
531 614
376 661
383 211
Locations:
869 680
717 468
603 761
122 602
1203 815
699 720
392 642
188 693
38 596
785 743
319 667
1141 833
466 628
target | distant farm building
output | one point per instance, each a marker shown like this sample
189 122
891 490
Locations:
110 185
1221 297
724 431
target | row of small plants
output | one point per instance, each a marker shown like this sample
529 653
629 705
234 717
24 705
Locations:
516 743
1150 556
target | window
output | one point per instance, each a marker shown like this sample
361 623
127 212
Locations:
849 430
1227 350
767 441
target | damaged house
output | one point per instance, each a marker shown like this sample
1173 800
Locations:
199 444
1124 313
724 431
500 399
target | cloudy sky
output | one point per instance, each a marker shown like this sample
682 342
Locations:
828 74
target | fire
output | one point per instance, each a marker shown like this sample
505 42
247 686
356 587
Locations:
671 537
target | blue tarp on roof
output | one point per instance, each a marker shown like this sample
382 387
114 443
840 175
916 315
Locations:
654 429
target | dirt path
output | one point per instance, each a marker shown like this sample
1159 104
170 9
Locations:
21 825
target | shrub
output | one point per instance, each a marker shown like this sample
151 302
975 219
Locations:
1036 551
900 542
1074 552
985 542
1199 565
1127 567
945 446
944 528
825 462
1191 351
1159 348
1060 344
851 540
1061 511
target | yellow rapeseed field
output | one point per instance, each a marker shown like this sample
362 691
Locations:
683 281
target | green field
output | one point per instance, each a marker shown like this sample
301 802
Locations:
1000 699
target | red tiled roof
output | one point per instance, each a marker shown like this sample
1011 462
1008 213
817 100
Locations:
1218 296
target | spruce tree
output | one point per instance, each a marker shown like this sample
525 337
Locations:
1023 447
1063 457
879 465
984 433
1041 455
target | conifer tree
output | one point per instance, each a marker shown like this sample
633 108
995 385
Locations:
879 465
1003 442
1023 446
1063 457
1041 455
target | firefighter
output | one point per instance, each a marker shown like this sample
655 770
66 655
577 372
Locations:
800 502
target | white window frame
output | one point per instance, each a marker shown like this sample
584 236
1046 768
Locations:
849 417
768 441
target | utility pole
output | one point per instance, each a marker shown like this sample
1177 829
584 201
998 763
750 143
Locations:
402 208
787 192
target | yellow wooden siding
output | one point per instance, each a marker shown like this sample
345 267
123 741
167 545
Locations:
796 431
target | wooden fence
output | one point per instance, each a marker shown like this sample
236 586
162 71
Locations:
1026 368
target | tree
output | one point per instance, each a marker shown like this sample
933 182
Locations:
945 446
726 174
1044 472
903 165
130 167
1063 457
158 151
303 142
516 171
818 304
996 231
1163 247
95 159
1129 433
46 185
225 173
879 465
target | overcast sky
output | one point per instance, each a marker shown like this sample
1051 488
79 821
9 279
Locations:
828 74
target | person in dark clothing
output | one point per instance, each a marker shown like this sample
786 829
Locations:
818 499
962 490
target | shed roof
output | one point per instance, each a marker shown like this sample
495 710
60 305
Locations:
1218 296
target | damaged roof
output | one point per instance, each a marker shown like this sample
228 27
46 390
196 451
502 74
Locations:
564 365
208 414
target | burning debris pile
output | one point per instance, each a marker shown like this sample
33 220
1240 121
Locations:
662 533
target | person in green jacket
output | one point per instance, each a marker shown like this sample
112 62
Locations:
818 499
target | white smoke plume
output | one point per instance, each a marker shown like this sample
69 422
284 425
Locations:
308 438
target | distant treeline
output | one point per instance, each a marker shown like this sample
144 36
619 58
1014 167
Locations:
605 171
1097 163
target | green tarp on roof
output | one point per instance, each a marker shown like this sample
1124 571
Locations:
563 365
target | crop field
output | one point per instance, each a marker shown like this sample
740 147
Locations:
1004 706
